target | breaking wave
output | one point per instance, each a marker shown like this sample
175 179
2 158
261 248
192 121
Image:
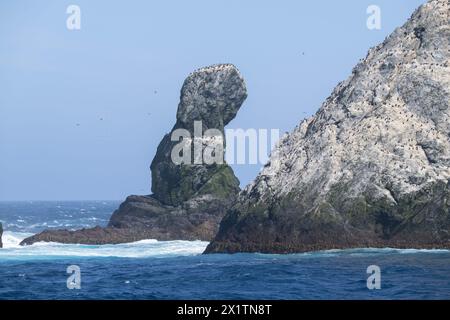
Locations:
140 249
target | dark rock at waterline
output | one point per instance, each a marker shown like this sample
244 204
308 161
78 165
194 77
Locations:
372 167
189 199
1 233
418 220
144 217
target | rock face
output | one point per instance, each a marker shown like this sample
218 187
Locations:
372 167
212 95
189 199
1 233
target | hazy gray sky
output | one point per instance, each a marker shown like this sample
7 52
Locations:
79 116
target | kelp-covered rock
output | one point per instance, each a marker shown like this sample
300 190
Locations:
189 199
371 168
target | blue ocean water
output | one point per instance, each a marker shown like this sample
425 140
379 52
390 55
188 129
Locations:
153 269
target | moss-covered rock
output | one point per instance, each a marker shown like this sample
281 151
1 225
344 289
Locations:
418 220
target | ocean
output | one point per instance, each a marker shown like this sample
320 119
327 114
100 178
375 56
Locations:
151 269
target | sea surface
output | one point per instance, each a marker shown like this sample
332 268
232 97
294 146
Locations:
151 269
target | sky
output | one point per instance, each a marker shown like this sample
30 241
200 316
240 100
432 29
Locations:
83 111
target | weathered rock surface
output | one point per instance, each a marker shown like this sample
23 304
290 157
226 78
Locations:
371 168
1 234
212 95
188 200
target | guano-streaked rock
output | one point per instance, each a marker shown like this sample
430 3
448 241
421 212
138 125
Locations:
371 168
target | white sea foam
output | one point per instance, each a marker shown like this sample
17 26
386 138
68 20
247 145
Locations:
371 251
139 249
153 248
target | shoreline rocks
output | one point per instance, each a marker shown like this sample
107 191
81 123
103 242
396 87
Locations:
1 234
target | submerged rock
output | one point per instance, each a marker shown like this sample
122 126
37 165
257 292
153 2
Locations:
371 168
189 199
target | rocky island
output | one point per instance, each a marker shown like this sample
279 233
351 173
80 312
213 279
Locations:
371 168
189 199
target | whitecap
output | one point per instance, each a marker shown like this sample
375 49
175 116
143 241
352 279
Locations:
138 249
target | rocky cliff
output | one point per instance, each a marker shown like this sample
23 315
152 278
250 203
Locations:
211 96
190 198
371 168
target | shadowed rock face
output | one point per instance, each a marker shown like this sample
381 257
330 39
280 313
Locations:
372 167
1 233
188 200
